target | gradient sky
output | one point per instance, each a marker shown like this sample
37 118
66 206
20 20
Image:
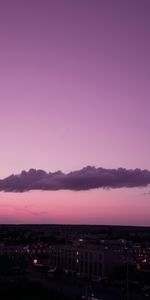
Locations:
74 91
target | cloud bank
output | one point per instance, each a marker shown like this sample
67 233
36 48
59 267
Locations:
84 179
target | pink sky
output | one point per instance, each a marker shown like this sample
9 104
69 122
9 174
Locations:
74 92
121 207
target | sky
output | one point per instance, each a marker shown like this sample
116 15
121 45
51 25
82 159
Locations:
75 92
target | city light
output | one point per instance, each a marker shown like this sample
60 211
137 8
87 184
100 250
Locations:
35 261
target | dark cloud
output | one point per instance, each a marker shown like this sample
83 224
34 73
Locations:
84 179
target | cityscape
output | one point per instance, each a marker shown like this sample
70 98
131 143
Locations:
75 262
74 149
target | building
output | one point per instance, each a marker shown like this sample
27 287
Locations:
93 262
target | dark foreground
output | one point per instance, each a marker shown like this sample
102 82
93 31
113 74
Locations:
34 284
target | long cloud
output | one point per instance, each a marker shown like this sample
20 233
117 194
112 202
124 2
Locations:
84 179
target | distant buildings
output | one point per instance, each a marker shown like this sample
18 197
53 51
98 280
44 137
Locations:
87 251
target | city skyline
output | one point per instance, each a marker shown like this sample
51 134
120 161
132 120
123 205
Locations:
74 93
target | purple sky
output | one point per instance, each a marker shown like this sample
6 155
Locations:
75 91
